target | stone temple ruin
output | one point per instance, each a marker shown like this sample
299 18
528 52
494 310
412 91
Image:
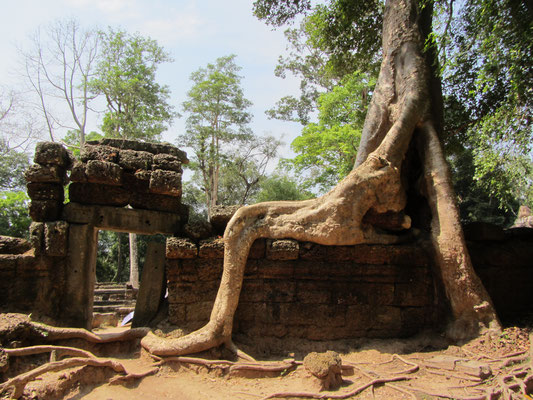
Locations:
291 289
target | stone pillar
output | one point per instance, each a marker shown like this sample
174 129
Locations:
77 305
152 285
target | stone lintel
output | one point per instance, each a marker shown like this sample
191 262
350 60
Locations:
123 219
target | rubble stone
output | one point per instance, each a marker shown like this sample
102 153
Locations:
98 152
77 173
45 210
104 172
46 191
154 148
51 153
165 182
282 249
132 160
181 248
45 173
12 245
167 162
326 367
219 217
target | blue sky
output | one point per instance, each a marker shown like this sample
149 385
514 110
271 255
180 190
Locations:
195 32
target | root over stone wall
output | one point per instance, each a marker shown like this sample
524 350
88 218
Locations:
304 290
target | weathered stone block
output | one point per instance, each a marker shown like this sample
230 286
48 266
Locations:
282 249
56 238
49 173
98 152
127 219
167 162
138 181
46 191
77 174
104 172
198 229
158 202
165 182
37 236
219 217
181 248
132 160
154 148
211 248
92 193
13 245
45 210
51 153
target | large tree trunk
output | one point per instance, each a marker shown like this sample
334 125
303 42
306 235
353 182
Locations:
401 109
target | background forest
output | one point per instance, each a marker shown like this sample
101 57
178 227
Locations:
485 52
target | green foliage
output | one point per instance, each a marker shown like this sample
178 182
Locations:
137 105
217 121
326 150
14 218
486 74
12 166
277 12
280 187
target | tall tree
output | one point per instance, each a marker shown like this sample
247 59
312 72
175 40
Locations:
59 66
400 169
137 106
217 120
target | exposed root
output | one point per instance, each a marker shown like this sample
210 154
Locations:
329 395
120 380
19 382
63 351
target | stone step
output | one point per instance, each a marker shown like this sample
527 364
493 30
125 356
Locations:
116 303
120 310
110 290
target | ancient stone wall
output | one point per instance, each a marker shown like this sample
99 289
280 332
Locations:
290 290
53 274
306 290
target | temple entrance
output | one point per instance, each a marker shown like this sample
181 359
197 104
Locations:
118 277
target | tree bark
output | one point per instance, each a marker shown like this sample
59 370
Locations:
401 105
134 261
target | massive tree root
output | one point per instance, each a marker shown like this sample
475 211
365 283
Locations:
401 106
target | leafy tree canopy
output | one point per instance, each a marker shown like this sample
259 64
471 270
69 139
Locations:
217 121
326 150
137 105
14 218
